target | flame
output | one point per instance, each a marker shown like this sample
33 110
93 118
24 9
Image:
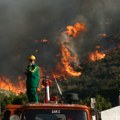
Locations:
7 85
66 68
76 29
97 55
66 60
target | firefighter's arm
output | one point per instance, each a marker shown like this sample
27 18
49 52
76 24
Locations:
33 69
40 86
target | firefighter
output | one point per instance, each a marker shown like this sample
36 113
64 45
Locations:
33 77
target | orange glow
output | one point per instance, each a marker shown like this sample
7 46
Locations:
7 85
66 60
97 55
76 29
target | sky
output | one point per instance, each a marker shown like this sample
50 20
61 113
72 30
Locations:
22 22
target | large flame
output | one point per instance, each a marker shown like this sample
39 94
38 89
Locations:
69 58
66 60
6 84
97 55
76 29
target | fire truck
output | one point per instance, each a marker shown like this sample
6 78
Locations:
49 110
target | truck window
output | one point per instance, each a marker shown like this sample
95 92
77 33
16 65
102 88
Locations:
54 115
50 117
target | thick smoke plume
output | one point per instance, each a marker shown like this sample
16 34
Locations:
24 21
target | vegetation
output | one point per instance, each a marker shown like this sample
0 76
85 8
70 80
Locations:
11 98
100 79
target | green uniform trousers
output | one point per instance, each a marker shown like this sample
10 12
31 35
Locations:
32 95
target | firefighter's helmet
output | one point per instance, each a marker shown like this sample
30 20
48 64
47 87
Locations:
31 57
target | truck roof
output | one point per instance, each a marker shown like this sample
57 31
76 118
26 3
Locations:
47 106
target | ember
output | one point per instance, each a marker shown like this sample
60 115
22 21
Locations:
41 41
102 35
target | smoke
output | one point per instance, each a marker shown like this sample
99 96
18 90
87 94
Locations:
101 17
23 21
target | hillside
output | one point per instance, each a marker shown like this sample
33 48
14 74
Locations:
98 78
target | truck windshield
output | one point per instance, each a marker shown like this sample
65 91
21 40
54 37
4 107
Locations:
54 115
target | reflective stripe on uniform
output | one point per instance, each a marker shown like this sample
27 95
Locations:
33 70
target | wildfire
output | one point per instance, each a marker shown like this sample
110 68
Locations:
76 29
97 55
66 60
7 85
64 68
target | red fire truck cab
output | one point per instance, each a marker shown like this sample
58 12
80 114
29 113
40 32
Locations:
47 111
